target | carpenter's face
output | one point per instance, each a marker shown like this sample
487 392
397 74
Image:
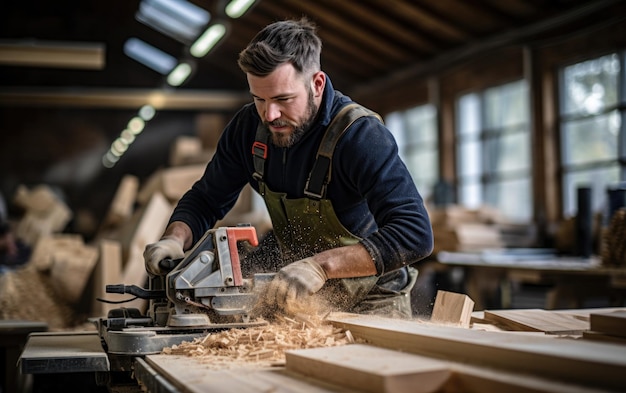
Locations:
287 102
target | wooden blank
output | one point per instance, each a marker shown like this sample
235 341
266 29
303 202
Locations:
108 270
151 226
71 269
613 323
122 206
452 308
370 369
536 320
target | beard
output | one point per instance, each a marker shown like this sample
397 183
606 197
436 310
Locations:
299 128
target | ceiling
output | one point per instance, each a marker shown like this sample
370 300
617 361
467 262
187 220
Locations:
368 45
366 42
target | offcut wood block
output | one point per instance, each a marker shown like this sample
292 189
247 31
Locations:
452 309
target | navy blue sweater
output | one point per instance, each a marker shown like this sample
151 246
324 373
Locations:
371 189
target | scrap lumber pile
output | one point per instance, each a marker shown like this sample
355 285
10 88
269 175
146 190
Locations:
64 277
49 287
456 228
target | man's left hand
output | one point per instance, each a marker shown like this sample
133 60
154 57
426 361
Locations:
295 282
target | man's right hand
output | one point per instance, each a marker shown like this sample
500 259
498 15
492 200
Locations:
166 248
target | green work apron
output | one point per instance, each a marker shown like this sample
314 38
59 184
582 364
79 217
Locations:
304 227
309 225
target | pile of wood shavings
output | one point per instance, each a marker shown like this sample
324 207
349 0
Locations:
262 346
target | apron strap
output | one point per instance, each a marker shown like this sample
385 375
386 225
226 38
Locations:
321 173
259 152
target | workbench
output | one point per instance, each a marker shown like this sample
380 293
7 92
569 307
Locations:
13 337
390 355
572 279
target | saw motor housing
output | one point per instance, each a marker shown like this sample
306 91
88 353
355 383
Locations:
207 285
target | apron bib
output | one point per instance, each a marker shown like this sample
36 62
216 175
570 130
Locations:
309 225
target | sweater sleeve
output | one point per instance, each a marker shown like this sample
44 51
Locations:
374 168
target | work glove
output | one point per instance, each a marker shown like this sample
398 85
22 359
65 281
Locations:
166 248
294 283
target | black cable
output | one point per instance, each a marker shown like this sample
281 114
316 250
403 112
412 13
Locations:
116 301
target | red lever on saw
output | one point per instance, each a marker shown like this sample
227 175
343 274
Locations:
236 234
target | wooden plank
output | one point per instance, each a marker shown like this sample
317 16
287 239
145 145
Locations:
536 320
71 270
108 270
370 369
171 182
150 228
452 309
575 361
122 205
601 336
189 375
613 323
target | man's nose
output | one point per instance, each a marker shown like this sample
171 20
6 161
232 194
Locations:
272 112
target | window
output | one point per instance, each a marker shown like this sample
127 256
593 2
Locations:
415 131
593 150
493 150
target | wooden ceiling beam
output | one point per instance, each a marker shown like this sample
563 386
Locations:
53 54
453 57
123 99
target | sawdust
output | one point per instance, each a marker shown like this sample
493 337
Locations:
262 346
27 294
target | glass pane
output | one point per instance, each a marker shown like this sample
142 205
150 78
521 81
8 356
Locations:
468 115
509 152
469 159
421 124
591 139
424 165
394 123
598 179
506 105
470 194
512 198
590 86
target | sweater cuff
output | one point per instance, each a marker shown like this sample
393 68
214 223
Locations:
376 256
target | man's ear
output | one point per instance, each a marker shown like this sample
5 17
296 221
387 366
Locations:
318 83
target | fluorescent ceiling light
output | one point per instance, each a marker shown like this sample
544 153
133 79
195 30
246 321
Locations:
149 56
236 8
178 19
179 74
147 112
207 40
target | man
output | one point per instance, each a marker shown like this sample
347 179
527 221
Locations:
351 237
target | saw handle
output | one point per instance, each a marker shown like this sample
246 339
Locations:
168 264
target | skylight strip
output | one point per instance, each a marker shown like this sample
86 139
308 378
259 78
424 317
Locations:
149 56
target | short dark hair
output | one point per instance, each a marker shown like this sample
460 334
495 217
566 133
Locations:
293 41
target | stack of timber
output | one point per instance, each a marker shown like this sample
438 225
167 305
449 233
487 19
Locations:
458 229
44 213
49 286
